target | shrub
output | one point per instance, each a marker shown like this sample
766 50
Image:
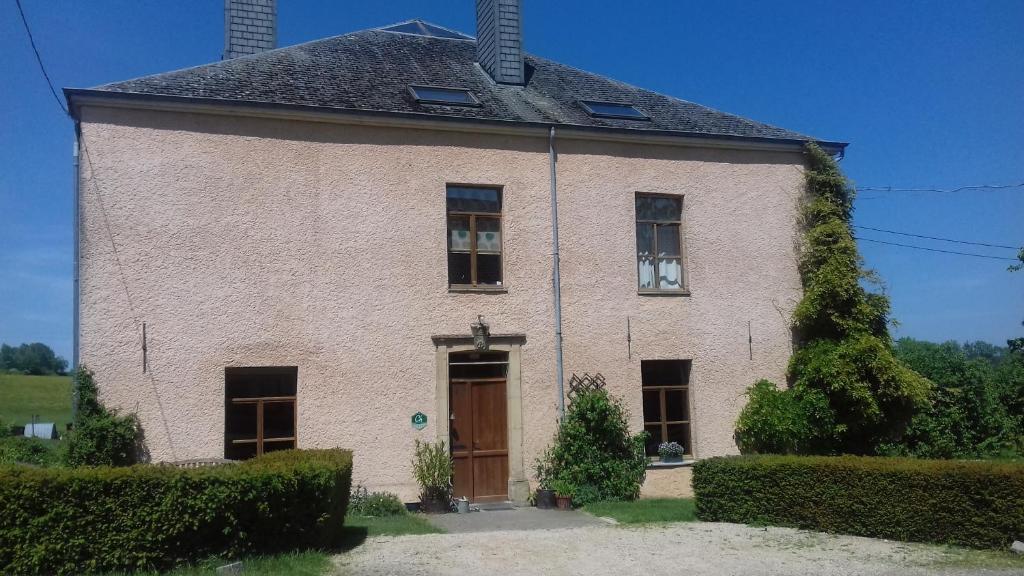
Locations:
378 504
148 517
979 504
35 451
594 453
783 421
99 437
432 467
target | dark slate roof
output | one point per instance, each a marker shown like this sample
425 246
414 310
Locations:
371 70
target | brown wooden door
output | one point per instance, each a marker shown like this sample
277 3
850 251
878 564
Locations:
479 439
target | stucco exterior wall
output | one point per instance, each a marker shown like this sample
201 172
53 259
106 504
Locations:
260 242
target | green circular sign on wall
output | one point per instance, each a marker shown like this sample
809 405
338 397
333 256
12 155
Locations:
419 420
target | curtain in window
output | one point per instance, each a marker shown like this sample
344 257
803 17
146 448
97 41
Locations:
645 268
670 273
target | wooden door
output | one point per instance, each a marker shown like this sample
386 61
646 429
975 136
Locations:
479 438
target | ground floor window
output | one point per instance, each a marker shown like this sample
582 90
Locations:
259 410
666 392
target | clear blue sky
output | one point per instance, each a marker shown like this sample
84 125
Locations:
930 94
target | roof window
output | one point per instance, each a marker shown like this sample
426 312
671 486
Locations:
613 110
438 95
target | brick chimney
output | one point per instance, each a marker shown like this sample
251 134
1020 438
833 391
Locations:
250 26
499 40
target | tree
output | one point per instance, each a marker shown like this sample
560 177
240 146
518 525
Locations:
844 358
35 359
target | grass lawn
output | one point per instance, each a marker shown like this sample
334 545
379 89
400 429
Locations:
643 511
390 525
23 396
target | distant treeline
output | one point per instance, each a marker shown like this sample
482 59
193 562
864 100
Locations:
35 359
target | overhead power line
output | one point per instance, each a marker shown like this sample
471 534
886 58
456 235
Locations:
940 190
938 238
39 58
935 249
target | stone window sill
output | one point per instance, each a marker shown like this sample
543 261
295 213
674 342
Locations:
649 292
460 289
658 465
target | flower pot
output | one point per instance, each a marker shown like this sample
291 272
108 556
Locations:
671 459
564 502
435 502
546 499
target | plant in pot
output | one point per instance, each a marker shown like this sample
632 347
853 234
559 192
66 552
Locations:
563 494
432 467
670 452
545 496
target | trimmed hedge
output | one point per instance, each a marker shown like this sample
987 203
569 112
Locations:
969 503
146 517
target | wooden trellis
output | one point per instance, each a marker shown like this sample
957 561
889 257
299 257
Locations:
586 383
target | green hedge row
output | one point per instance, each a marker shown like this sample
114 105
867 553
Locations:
979 504
87 520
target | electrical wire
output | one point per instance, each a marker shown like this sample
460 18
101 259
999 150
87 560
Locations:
940 190
934 249
938 238
39 58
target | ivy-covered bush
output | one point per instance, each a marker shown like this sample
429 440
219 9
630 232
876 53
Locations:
99 437
148 517
843 377
969 503
594 456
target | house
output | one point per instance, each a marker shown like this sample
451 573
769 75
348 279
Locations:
294 247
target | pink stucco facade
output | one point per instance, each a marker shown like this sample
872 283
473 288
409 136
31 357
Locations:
244 241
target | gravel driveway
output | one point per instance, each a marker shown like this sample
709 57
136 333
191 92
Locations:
694 548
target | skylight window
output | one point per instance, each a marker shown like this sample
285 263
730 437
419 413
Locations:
613 110
438 95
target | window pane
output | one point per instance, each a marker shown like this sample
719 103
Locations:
458 268
458 233
275 446
451 95
662 208
652 406
670 274
675 406
614 110
668 240
680 433
653 439
665 372
488 269
278 419
488 235
461 199
645 255
240 421
240 451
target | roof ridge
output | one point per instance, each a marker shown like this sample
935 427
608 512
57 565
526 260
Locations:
384 28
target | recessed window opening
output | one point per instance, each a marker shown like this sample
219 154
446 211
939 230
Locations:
442 95
613 110
659 257
477 365
259 410
665 389
474 237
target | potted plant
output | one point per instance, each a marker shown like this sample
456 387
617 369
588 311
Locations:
563 494
545 496
432 467
670 452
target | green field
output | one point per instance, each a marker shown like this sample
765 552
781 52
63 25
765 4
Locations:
21 397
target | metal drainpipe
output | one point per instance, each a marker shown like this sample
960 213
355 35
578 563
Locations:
556 277
75 215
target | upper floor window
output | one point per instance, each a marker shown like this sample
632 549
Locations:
474 237
659 257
